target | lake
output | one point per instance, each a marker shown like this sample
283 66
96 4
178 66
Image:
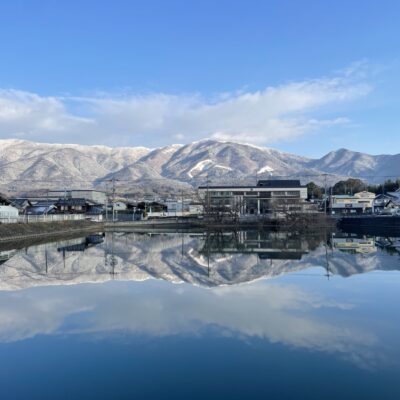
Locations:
233 315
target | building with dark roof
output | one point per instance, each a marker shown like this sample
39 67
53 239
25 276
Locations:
264 198
77 205
96 196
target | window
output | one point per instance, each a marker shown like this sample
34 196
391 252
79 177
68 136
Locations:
265 195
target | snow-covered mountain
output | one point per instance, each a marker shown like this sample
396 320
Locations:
27 165
346 162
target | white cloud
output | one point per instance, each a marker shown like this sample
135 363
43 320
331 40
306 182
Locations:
274 114
283 314
24 114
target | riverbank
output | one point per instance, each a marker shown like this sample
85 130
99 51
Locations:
371 221
300 222
18 231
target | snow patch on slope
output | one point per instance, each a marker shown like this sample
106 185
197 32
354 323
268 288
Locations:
199 167
266 168
222 167
205 165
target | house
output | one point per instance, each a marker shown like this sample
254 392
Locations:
41 208
152 206
266 197
21 204
365 198
387 203
76 205
8 213
359 203
96 196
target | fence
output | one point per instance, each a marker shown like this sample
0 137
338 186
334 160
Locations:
51 217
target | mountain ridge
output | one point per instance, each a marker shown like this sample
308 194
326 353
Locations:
32 165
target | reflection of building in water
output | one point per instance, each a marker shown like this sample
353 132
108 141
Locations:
353 243
6 255
204 259
266 244
389 244
83 243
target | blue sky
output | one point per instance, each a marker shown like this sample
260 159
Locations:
301 76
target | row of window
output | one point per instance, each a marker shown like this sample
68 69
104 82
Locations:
277 193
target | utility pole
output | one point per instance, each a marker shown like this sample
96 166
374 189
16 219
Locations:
106 201
113 198
113 180
325 193
182 203
208 195
47 204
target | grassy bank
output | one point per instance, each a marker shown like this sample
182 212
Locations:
10 232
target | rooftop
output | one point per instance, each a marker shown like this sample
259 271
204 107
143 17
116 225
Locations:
279 183
76 190
270 183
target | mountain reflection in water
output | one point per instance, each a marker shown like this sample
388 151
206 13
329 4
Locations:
251 306
206 259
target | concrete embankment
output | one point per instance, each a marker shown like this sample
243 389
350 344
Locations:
170 223
302 222
11 232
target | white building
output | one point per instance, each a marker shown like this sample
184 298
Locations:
266 197
359 203
8 214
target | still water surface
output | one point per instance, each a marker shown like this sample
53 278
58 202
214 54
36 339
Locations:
245 315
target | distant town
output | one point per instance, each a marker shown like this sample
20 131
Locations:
267 199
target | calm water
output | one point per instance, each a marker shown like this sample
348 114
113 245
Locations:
247 315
